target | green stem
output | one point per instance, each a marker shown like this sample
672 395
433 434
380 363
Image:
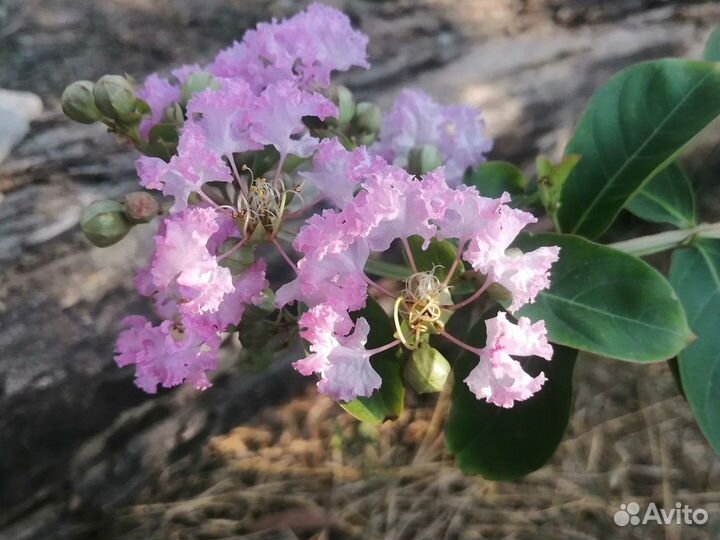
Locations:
656 243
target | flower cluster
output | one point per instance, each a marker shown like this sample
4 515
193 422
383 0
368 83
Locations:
262 108
393 205
263 89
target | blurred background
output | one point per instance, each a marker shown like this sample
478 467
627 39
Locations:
85 454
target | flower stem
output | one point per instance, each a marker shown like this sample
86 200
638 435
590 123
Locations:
285 255
232 250
411 258
384 348
472 298
451 272
378 286
656 243
461 344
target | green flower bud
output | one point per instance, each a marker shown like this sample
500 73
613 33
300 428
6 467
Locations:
423 159
115 97
368 117
78 103
104 223
427 370
141 207
499 293
197 82
343 98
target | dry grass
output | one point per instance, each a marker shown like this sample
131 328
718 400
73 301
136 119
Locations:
308 469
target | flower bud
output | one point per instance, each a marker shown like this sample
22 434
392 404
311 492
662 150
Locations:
141 207
423 159
197 82
499 293
114 96
104 223
368 117
427 370
78 103
343 98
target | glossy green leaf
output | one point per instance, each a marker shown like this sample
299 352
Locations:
607 302
493 178
634 126
695 274
712 47
439 256
387 402
505 444
667 198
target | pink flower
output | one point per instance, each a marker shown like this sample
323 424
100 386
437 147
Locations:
336 173
337 279
341 360
194 165
523 274
500 379
304 49
159 94
182 262
166 355
277 118
416 120
224 116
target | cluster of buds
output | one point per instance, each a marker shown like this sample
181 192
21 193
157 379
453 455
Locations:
260 138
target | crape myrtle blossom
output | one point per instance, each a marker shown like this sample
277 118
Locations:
195 294
415 120
304 50
160 93
392 205
198 298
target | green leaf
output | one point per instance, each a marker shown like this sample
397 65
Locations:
607 302
376 267
387 402
495 177
505 444
634 126
695 274
712 47
439 255
667 198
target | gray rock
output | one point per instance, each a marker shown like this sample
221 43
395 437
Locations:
17 110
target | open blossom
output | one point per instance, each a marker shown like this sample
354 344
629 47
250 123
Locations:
498 377
224 114
338 357
304 50
337 173
277 118
164 355
416 120
160 93
183 263
187 172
